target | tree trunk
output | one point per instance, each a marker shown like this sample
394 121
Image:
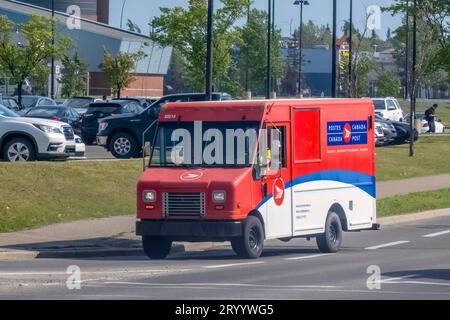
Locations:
118 91
19 92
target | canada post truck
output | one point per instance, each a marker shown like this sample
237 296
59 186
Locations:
250 171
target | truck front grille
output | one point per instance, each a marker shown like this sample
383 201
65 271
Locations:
184 204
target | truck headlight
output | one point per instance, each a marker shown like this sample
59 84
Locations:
149 196
219 196
47 129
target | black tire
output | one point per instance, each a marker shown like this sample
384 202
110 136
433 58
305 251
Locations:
87 139
330 241
156 247
236 244
251 244
123 146
26 152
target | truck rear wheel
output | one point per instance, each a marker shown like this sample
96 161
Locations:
123 146
251 244
330 241
156 247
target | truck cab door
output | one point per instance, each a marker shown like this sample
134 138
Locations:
275 176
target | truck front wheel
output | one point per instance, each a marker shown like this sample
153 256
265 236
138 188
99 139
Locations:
251 244
330 241
156 247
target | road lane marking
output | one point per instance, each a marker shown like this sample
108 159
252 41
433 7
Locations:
387 280
437 234
218 285
384 245
233 265
308 257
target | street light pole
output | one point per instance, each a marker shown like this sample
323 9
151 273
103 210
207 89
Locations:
269 49
407 52
350 49
121 13
300 47
333 59
414 84
209 53
52 78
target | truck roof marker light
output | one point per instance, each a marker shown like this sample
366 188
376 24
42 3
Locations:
149 207
219 207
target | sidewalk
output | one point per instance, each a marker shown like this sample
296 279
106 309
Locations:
398 187
115 236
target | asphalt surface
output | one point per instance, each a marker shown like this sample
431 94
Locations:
413 260
96 152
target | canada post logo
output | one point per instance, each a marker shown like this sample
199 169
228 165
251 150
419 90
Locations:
346 133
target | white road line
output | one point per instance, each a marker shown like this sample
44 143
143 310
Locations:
205 285
384 245
437 234
233 265
308 257
387 280
420 282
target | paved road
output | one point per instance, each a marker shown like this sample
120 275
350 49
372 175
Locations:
96 152
414 260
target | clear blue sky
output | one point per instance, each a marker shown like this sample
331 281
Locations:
286 14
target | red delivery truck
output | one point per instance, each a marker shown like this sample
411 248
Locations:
250 171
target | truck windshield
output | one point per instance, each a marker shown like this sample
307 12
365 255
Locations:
205 144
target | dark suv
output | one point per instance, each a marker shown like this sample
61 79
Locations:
99 110
122 135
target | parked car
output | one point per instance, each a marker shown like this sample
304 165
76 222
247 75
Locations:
389 108
144 102
36 101
379 135
58 113
80 104
10 103
122 135
80 147
99 110
28 139
440 127
390 134
402 130
60 102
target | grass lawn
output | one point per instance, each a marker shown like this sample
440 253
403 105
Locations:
443 112
414 202
39 194
432 156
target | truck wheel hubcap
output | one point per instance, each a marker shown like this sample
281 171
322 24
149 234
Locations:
18 152
253 238
122 146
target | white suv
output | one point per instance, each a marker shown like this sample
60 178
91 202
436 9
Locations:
389 108
28 139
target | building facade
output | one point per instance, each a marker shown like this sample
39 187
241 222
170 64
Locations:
96 10
89 42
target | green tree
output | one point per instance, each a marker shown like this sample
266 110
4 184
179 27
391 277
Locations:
185 30
433 15
254 48
388 85
74 76
23 60
314 34
118 69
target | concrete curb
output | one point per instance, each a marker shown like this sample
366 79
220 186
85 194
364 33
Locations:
21 255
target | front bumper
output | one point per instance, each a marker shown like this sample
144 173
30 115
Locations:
190 230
